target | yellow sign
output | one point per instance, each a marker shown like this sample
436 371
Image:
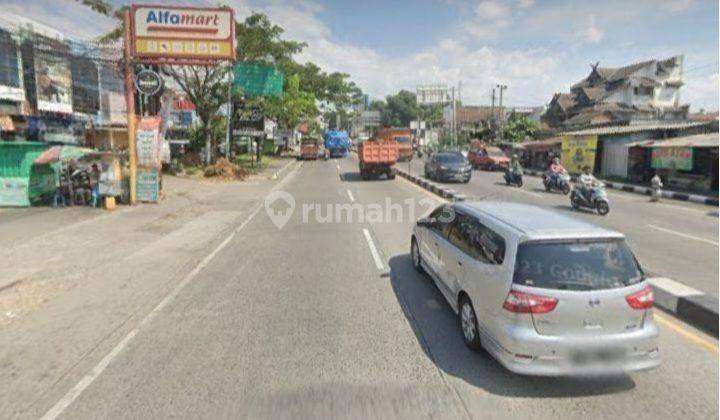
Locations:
175 48
578 152
183 33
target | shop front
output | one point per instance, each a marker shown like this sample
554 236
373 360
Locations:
685 163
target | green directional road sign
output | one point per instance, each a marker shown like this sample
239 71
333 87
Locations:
253 80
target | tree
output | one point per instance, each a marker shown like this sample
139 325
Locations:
259 41
293 106
206 87
519 127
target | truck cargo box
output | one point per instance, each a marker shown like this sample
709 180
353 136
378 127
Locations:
378 152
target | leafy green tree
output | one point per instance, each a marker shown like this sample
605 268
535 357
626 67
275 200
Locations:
259 41
519 127
293 106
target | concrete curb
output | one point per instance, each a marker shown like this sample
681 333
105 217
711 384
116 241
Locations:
684 302
701 199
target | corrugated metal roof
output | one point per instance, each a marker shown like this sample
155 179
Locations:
624 129
698 140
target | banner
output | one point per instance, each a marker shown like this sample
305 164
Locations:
253 80
680 158
183 33
11 87
54 83
149 143
578 152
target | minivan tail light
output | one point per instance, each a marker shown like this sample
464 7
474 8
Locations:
643 299
526 303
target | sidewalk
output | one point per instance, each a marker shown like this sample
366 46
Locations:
645 190
68 293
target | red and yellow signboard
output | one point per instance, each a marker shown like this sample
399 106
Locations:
183 33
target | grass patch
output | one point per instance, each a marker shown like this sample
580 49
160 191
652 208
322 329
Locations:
247 162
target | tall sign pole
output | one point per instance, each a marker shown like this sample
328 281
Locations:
130 105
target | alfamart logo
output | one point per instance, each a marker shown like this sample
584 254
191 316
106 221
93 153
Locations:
185 18
280 207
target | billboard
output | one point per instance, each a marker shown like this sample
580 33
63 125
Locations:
189 33
578 152
431 94
370 118
679 158
54 83
11 87
253 80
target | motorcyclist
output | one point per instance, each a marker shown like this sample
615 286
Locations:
555 170
515 165
656 185
587 182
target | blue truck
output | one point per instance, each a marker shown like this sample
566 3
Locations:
337 143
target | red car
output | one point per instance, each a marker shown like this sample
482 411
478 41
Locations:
488 158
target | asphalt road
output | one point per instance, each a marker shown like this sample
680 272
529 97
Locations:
671 238
327 319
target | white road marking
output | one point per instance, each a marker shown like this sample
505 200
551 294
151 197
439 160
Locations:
350 195
338 166
90 377
670 285
528 192
373 250
684 235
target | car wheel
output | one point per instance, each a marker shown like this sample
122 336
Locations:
468 324
415 254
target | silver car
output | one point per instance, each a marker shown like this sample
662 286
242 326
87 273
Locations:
543 293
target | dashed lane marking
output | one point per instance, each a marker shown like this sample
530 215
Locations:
373 249
683 235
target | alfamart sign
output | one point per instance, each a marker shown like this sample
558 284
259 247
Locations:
183 33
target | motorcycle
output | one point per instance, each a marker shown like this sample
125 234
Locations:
596 199
514 178
559 182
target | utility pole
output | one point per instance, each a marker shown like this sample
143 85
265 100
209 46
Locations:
502 110
492 113
229 115
454 120
130 105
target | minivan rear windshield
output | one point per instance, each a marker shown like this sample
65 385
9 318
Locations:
592 265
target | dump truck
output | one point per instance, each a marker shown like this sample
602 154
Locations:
337 143
309 148
403 138
377 157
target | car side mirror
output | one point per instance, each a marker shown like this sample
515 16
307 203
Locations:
427 221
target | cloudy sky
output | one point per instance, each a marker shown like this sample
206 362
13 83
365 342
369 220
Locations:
536 47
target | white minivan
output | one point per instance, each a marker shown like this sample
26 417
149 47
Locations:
544 293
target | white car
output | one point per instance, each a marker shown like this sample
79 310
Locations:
543 293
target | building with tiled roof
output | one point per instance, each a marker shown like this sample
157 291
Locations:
641 92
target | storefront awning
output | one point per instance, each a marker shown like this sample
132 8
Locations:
698 140
541 145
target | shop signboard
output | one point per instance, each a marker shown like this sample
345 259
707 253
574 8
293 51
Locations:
248 121
148 185
149 143
54 83
578 152
183 33
254 80
11 83
148 82
679 158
